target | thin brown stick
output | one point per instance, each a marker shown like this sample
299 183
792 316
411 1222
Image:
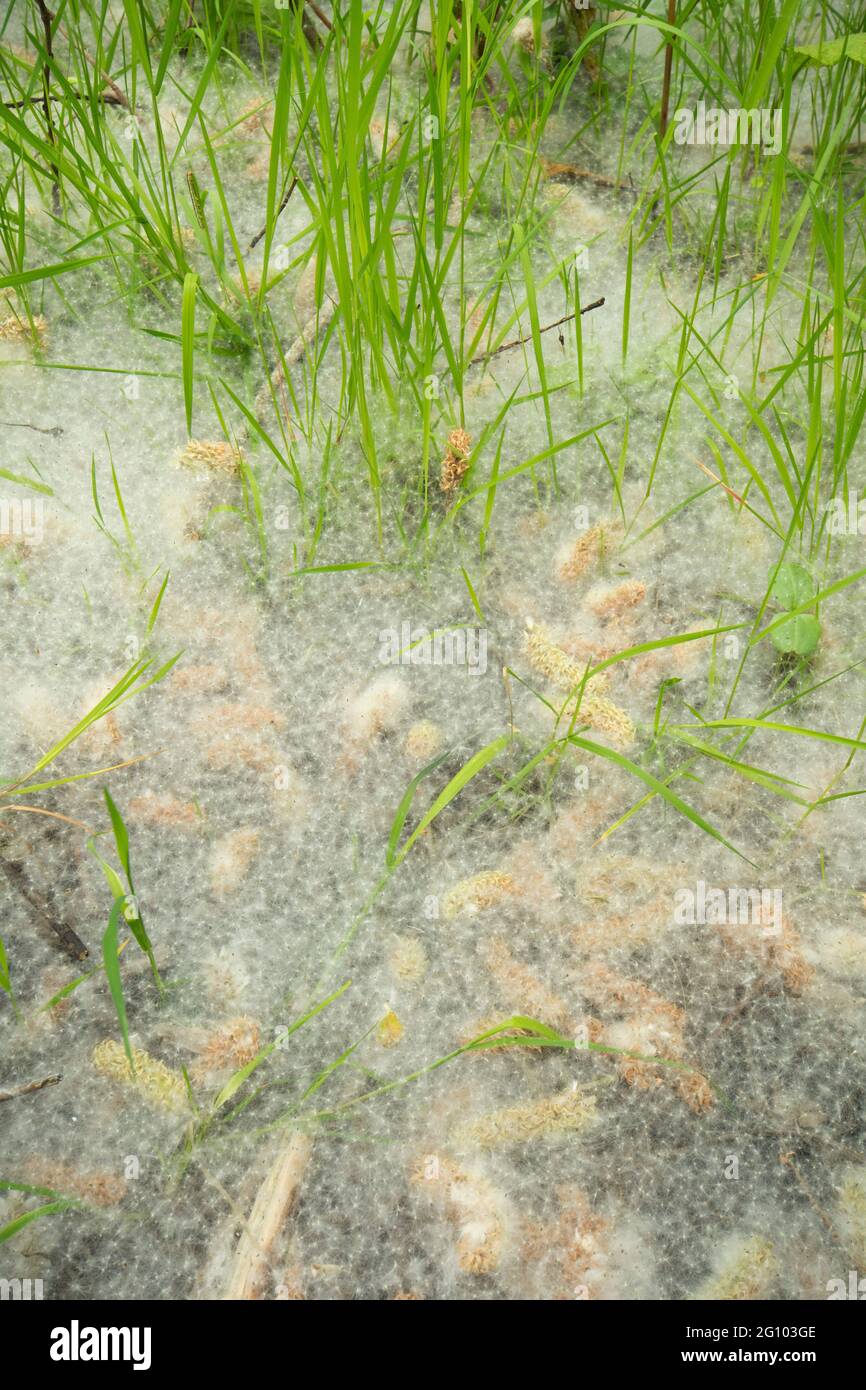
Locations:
56 430
69 939
519 342
113 767
258 236
710 474
573 173
47 20
118 97
787 1161
30 1086
108 97
669 61
55 815
322 18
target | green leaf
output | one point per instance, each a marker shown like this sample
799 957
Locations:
112 970
792 586
403 809
129 902
74 984
240 1076
660 788
799 634
760 79
454 787
472 594
26 482
6 1232
154 612
190 286
45 272
121 838
827 55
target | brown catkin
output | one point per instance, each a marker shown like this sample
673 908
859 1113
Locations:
456 460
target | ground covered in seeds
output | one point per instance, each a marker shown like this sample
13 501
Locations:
455 954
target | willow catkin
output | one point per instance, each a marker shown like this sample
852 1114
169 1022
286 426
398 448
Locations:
479 1210
14 329
588 548
456 460
153 1079
217 455
478 892
746 1272
569 1112
596 711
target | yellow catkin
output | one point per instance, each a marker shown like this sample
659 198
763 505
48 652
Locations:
456 460
214 454
15 330
407 960
782 954
597 711
550 660
390 1030
481 891
232 717
231 751
569 1112
154 1080
696 1091
608 718
572 1249
423 741
156 809
232 856
206 679
747 1274
648 1026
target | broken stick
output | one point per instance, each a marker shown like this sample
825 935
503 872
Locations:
30 1086
274 1201
69 939
519 342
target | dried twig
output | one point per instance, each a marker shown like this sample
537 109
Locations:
258 236
69 939
56 430
47 19
787 1161
322 18
30 1086
55 815
572 173
666 84
519 342
275 386
108 97
273 1203
117 96
710 474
